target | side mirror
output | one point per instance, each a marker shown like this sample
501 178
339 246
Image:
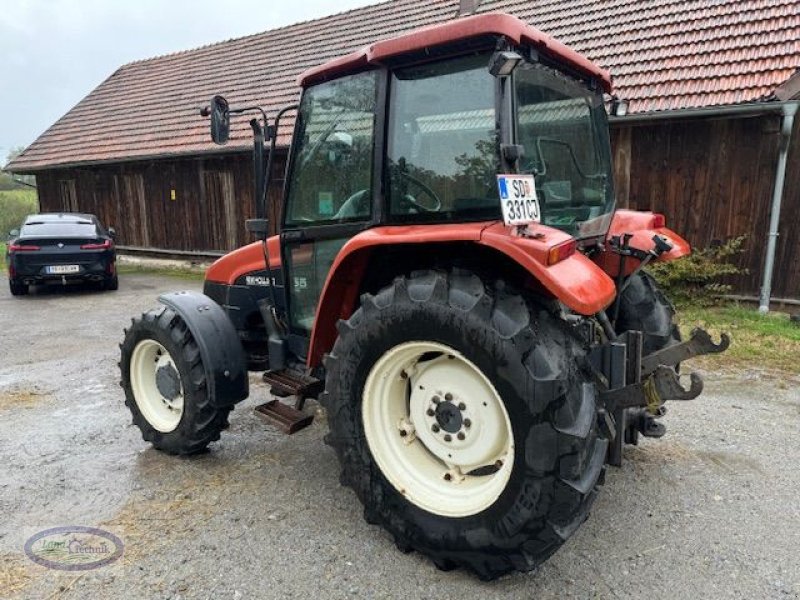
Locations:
112 232
13 233
220 115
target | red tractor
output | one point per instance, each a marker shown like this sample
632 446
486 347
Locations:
450 281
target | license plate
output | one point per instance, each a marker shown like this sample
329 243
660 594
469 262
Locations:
63 269
518 199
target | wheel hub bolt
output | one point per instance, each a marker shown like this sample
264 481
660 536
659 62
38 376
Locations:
461 435
467 423
498 463
436 399
448 438
430 412
462 406
448 396
435 428
403 433
447 477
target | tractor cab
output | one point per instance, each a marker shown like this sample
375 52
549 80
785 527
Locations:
493 123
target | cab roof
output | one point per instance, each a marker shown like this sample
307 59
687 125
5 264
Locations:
499 24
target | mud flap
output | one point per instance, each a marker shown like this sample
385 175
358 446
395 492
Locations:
223 357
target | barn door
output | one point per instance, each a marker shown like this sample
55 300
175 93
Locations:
133 194
223 217
69 198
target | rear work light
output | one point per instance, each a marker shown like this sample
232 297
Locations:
561 251
104 245
658 221
22 248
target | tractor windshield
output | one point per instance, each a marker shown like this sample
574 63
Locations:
564 130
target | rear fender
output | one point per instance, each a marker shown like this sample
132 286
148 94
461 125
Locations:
640 224
576 281
220 348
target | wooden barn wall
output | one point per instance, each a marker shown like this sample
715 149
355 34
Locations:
211 200
713 180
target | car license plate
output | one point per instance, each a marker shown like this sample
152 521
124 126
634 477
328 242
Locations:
518 199
63 269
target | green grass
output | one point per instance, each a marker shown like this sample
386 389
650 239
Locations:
770 341
188 274
15 205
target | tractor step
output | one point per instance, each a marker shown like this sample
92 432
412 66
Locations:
286 382
286 418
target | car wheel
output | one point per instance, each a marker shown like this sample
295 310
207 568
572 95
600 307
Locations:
17 288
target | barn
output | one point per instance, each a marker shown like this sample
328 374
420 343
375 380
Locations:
703 123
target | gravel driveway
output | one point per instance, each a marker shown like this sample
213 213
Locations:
710 511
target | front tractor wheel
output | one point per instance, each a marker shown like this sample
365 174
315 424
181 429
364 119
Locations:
463 422
165 384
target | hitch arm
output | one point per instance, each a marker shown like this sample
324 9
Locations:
662 385
698 344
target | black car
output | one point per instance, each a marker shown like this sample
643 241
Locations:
61 248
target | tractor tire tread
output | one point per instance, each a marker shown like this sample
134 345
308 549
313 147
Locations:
201 422
564 456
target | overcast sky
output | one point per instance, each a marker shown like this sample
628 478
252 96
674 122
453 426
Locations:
54 52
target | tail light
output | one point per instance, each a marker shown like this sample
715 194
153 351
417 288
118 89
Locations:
22 248
104 245
561 251
658 221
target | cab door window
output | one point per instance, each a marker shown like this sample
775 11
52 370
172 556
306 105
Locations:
331 173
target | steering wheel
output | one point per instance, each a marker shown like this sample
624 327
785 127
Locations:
356 205
412 200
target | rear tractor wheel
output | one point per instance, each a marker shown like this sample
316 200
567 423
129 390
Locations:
463 422
643 307
165 384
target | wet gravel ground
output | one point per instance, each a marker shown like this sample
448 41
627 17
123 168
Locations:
710 511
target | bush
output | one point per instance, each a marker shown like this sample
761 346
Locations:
15 205
695 279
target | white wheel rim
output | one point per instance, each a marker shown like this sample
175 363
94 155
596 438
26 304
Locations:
162 412
409 444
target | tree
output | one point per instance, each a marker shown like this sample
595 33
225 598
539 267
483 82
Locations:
9 182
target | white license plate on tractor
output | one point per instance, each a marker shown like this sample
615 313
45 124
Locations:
63 269
518 199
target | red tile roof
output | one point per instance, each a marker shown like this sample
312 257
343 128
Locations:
663 54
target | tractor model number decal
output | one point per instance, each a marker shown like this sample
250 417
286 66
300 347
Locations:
259 280
518 199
